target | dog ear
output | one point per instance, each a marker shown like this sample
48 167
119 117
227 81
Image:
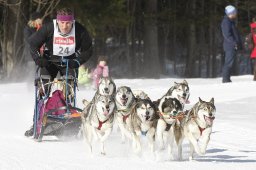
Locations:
175 83
129 89
185 82
212 101
200 100
156 103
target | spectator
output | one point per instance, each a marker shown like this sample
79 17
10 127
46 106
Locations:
84 76
253 53
100 71
232 41
33 25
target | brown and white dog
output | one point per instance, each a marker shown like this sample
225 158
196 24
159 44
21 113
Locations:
197 125
143 122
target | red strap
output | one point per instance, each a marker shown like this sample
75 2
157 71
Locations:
125 117
201 130
101 123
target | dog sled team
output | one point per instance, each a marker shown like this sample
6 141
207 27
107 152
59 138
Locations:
163 122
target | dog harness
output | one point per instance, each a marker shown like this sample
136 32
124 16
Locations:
168 127
201 130
144 133
101 123
125 117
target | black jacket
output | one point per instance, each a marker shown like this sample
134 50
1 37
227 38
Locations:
45 36
27 33
230 34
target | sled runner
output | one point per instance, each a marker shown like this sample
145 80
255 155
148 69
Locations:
55 112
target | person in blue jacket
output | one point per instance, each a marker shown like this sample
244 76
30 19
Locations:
232 41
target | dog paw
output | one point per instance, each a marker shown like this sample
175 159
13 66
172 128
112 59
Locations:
159 156
203 151
103 153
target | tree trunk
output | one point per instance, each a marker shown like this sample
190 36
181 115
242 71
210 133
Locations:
152 64
192 42
12 43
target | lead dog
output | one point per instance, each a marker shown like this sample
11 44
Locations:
125 101
143 122
196 125
97 121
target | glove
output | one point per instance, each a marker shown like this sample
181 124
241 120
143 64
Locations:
73 64
73 56
42 62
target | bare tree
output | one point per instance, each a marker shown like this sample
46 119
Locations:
13 24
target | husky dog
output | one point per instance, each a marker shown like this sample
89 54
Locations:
197 125
168 108
139 94
179 91
106 87
143 122
97 121
125 100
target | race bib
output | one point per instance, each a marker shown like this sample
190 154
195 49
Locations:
63 45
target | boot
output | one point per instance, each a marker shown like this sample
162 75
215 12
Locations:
29 132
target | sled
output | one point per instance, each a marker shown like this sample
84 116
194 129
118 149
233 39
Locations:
55 112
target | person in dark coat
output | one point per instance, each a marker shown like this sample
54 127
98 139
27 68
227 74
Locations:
64 38
232 41
33 25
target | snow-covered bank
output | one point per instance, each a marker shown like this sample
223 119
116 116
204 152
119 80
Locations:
232 144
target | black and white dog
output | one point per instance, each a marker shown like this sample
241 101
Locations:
168 109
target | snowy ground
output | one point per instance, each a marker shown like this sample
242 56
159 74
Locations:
232 145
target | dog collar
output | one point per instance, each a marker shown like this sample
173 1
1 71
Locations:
201 130
178 116
144 133
101 122
125 117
